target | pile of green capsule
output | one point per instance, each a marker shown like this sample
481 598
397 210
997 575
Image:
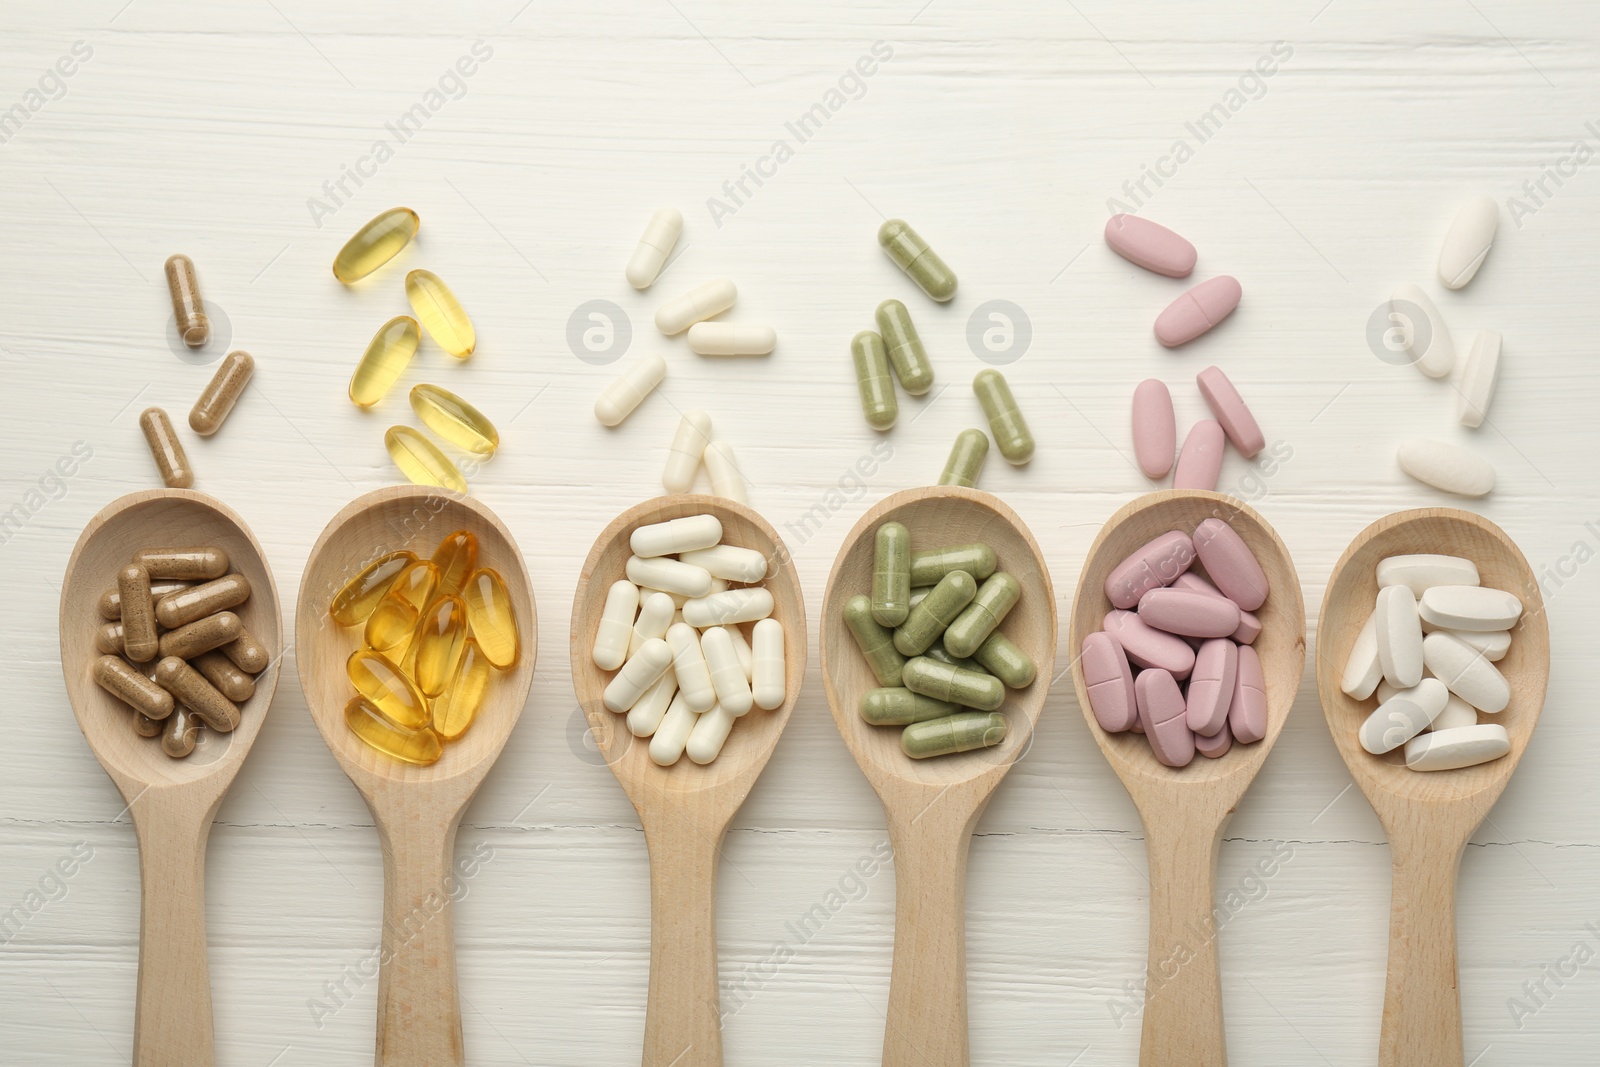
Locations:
930 631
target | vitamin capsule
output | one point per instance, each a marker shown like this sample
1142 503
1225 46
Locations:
1188 613
440 640
1211 686
420 460
1148 647
1247 712
873 382
382 682
187 306
929 567
1362 668
1006 424
628 390
918 593
1466 746
727 675
1000 656
1403 716
939 652
1155 429
945 681
1109 680
202 635
113 674
440 313
971 448
702 302
669 575
655 615
689 663
728 607
247 653
644 718
891 574
1468 241
994 600
1156 563
747 655
183 564
921 263
708 735
1466 673
906 354
660 235
180 733
1423 571
145 726
386 358
732 338
729 562
676 535
1229 409
1479 376
166 449
395 618
727 480
1445 466
1198 310
421 747
1162 714
111 600
768 677
899 706
1230 564
1398 630
139 635
1432 350
230 681
683 457
1200 462
353 603
375 244
190 689
455 420
1150 245
494 620
196 602
961 732
643 669
612 635
221 393
875 641
456 557
108 639
672 734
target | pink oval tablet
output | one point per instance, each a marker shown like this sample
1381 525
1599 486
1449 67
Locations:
1249 626
1188 613
1196 311
1148 647
1247 715
1200 462
1216 668
1155 428
1229 408
1150 245
1230 564
1214 747
1154 564
1162 713
1110 683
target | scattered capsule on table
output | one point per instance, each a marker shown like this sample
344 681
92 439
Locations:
381 681
376 243
935 612
945 681
111 600
420 460
688 446
221 393
961 732
190 689
371 726
921 263
440 313
115 676
768 676
612 635
971 448
898 706
996 597
727 480
395 617
672 733
891 574
440 639
875 641
928 567
200 564
1010 429
386 358
145 726
650 255
493 618
873 380
709 734
247 652
456 558
355 601
140 638
180 732
202 635
628 390
1000 656
698 304
216 668
643 669
732 339
198 601
906 354
187 306
455 420
166 449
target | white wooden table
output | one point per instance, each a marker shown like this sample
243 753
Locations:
1001 131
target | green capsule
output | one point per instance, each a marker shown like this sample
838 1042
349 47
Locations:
1001 657
923 626
902 707
1010 429
996 597
977 559
912 255
966 459
918 593
891 574
872 379
906 354
961 732
944 681
942 654
877 643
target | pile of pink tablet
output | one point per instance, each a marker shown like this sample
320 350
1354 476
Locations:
1199 685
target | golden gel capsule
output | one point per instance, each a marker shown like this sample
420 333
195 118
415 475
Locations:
140 638
440 313
166 449
198 564
456 557
420 460
412 746
375 244
395 617
180 733
111 600
190 689
386 358
458 705
196 602
381 681
221 393
453 419
440 638
187 307
354 603
493 619
247 652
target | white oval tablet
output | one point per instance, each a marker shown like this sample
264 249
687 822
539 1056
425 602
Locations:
1362 671
1470 607
1399 635
1422 571
1492 645
1466 673
1456 714
1468 241
1432 350
1403 716
1467 746
1445 466
1479 375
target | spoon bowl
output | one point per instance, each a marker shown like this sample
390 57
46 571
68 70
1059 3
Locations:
171 801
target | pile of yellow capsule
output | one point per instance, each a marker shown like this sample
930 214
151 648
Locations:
435 632
391 348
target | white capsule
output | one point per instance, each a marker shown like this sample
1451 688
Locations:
1399 634
688 445
1479 375
727 608
1403 716
1466 673
1466 746
642 670
1470 236
701 302
673 732
1423 571
710 732
629 389
1432 349
668 575
1470 607
732 338
655 615
676 535
742 647
1445 466
729 561
726 479
694 677
1492 645
1456 714
660 235
645 715
1362 670
727 675
769 681
611 637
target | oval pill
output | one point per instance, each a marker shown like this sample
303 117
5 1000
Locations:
188 308
1445 466
1006 424
643 669
190 689
1479 375
1109 681
378 241
221 393
907 355
1249 627
891 574
611 637
723 469
1469 607
967 454
961 732
140 638
728 561
198 601
628 390
115 676
1198 310
1399 636
1216 746
1449 750
1200 462
688 446
1148 647
920 263
1492 645
729 607
875 641
1468 241
420 460
199 564
668 538
1433 350
1363 670
873 380
1211 686
1156 563
1155 429
385 359
1231 411
1162 713
1150 245
1231 565
768 676
1456 714
957 685
994 600
455 420
698 304
165 448
928 567
1403 716
1189 614
655 245
1466 673
1247 712
1422 571
732 338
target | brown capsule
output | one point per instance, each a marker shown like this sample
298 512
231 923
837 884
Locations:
187 306
111 600
202 635
181 732
115 676
248 654
171 460
198 564
187 605
191 689
206 417
139 638
145 726
108 638
220 671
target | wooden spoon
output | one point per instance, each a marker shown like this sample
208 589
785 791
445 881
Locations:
416 809
685 808
1185 809
932 805
1429 817
171 801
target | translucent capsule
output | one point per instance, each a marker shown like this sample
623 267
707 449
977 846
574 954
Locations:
891 574
726 479
108 638
455 420
875 641
440 313
353 603
145 726
458 705
166 449
1010 429
375 244
628 390
221 393
873 381
420 460
198 601
966 459
115 676
440 639
961 732
199 564
187 306
140 638
660 235
381 681
412 746
180 732
221 672
921 263
688 445
456 557
202 635
906 354
395 617
111 600
493 619
190 689
247 652
386 358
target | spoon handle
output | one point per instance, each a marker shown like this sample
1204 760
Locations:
419 1014
1183 993
1421 1004
683 1020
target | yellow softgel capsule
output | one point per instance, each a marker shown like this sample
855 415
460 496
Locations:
412 746
458 705
440 313
441 636
386 358
492 618
456 557
452 418
352 605
420 460
375 244
381 681
395 618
